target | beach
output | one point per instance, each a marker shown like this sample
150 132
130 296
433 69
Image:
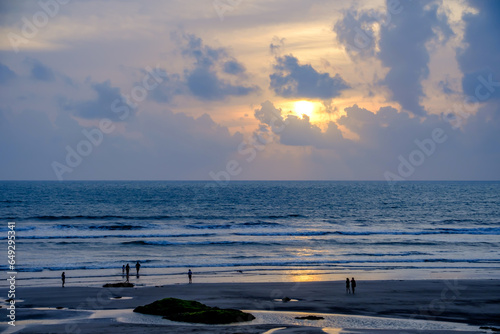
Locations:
409 306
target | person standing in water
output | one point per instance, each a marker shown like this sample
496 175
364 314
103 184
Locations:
137 268
127 270
353 284
63 279
190 276
347 286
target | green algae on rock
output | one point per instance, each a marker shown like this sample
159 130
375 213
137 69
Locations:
192 311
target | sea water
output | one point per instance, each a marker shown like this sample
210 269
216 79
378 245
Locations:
252 231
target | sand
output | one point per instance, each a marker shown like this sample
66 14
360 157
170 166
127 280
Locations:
96 310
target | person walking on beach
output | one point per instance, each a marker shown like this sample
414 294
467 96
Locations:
347 286
137 268
123 270
127 270
190 276
63 279
353 284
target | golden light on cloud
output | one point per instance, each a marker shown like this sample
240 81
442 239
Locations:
304 108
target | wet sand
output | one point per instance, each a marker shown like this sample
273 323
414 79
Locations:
89 309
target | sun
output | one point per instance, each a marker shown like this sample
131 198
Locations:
304 108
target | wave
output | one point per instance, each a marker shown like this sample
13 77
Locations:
209 227
231 225
18 228
259 223
41 237
97 217
472 231
152 217
115 227
293 215
168 243
277 264
386 254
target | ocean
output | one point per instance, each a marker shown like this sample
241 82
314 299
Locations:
250 230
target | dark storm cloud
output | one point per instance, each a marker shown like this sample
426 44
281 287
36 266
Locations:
294 80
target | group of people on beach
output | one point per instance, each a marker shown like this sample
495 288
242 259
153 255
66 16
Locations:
350 285
126 269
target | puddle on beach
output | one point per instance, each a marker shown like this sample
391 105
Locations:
331 324
326 330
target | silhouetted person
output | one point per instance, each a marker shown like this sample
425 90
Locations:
353 284
347 286
137 268
127 270
63 279
123 270
190 276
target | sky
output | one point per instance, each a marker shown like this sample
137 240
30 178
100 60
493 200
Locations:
249 90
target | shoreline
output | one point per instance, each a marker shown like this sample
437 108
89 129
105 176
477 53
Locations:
473 302
249 274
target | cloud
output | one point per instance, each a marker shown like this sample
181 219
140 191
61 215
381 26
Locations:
276 45
234 67
480 60
204 80
296 131
355 31
206 84
40 71
403 50
384 137
6 74
405 28
293 80
169 146
164 86
109 103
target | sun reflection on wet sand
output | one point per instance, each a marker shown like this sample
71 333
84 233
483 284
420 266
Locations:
304 276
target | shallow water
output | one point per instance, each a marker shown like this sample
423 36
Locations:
332 321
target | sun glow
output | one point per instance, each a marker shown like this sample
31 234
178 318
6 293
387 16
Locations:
304 108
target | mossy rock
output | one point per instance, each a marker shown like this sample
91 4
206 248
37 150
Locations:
118 285
192 311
